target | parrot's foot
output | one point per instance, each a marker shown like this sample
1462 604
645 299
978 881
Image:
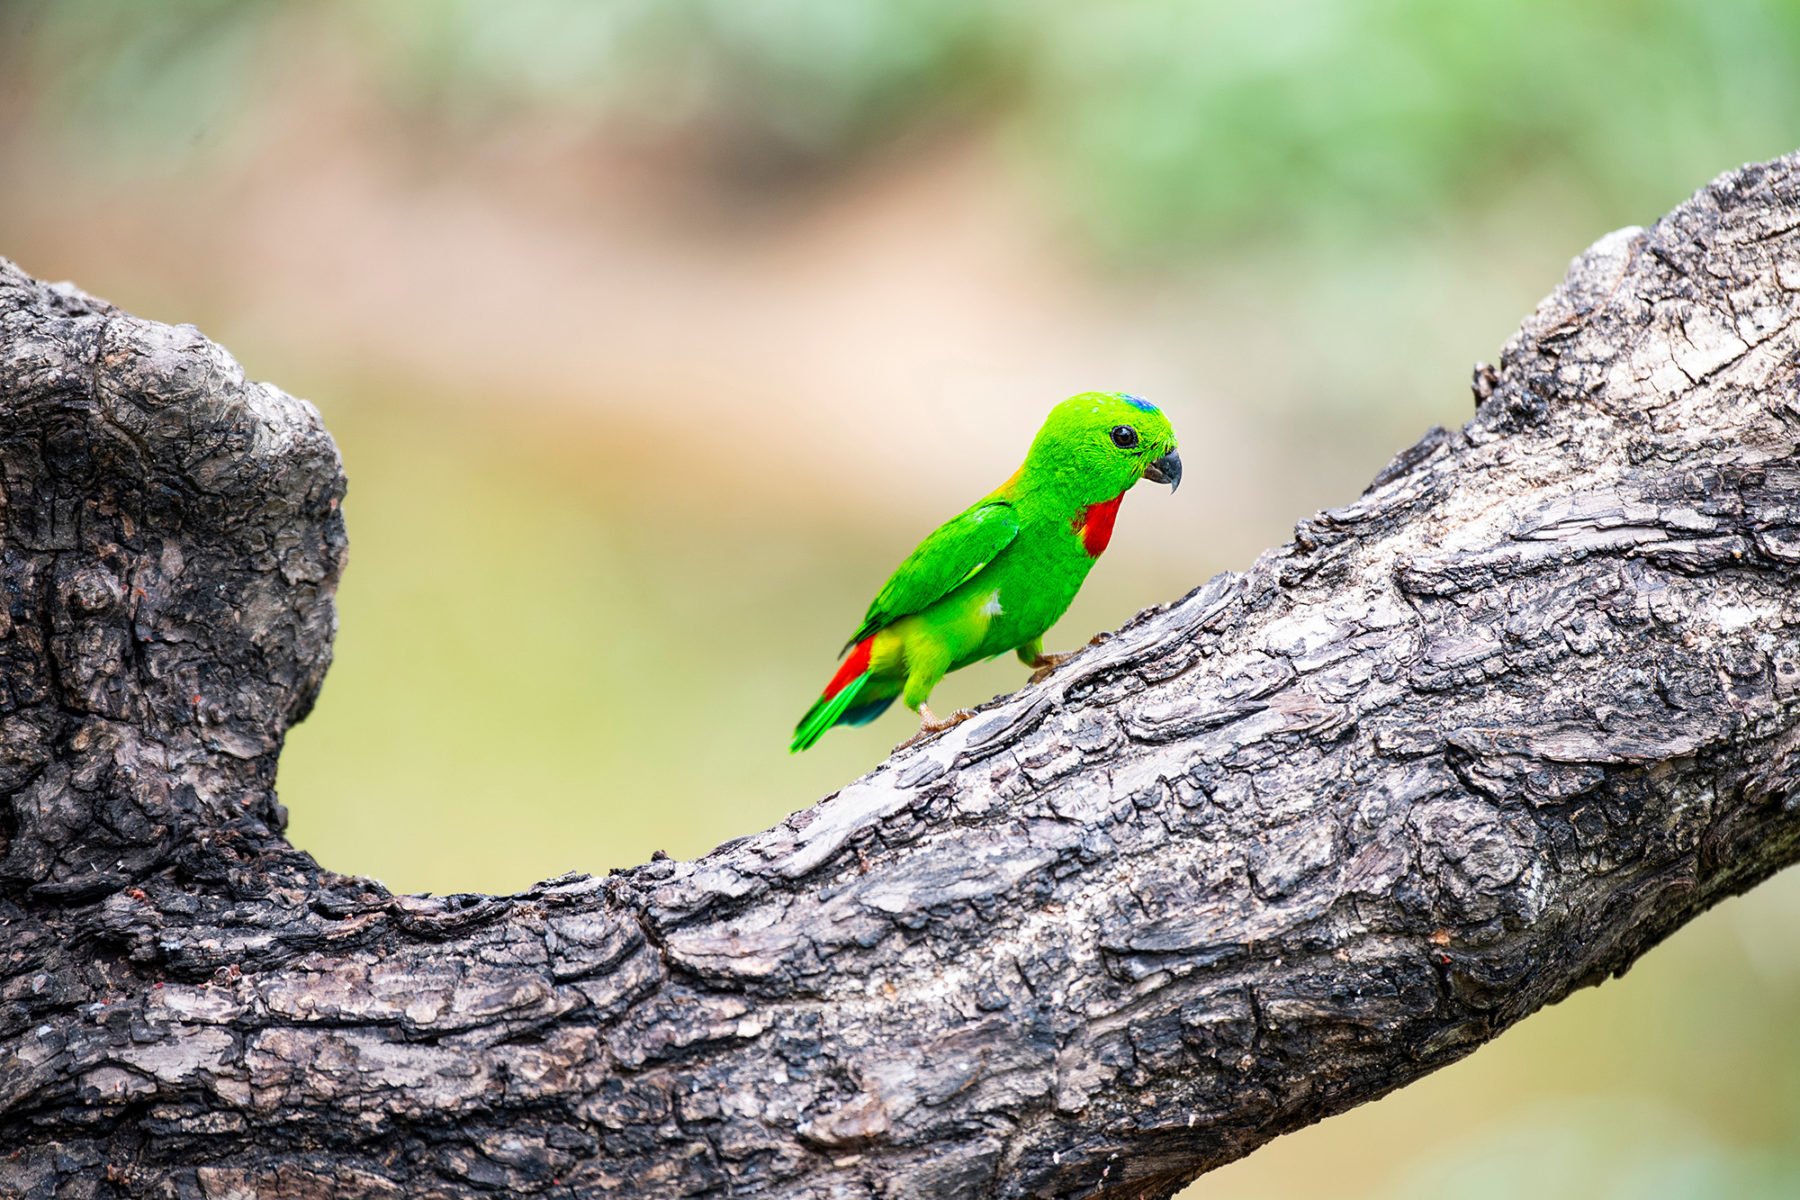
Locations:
930 724
1046 663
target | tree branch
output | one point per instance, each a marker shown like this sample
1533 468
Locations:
1478 738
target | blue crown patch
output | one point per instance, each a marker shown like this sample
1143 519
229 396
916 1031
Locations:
1138 402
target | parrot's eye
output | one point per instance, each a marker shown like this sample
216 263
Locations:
1124 436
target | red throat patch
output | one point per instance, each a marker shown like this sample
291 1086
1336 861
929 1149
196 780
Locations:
1095 525
855 665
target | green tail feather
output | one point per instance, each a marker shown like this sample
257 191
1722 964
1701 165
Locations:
825 713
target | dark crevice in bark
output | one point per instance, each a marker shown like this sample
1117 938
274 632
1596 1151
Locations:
1480 737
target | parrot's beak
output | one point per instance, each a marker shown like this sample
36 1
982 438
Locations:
1166 469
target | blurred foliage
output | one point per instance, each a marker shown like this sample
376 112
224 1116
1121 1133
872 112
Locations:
1166 126
1187 122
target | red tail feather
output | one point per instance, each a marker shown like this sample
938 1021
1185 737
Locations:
855 665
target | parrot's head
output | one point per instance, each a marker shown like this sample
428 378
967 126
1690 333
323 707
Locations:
1097 444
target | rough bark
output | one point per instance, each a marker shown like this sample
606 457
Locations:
1477 738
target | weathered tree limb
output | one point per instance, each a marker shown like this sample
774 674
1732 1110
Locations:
1476 739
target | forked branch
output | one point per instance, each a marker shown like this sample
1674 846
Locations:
1478 737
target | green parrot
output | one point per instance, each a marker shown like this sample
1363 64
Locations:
997 575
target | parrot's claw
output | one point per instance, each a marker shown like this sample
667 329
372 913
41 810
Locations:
929 724
1046 663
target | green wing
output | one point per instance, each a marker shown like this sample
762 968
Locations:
953 553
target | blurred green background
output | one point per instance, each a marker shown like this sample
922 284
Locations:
654 332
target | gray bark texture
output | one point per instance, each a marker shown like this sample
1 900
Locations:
1478 738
